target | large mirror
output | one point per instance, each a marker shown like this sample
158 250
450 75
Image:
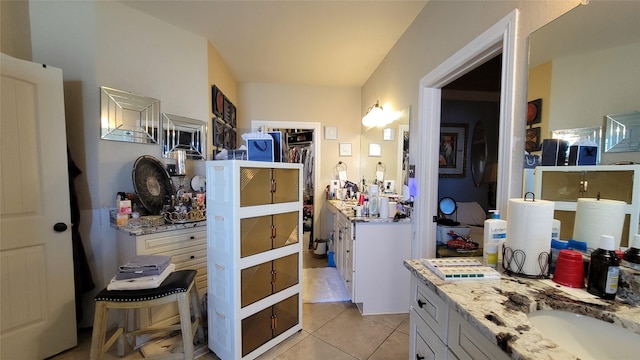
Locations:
182 133
623 133
586 65
392 140
125 116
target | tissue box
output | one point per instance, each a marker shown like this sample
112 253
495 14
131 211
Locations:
554 152
583 155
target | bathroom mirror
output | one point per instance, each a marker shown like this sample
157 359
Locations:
125 116
393 150
182 133
582 65
478 154
622 133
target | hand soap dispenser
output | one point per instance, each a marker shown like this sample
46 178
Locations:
495 232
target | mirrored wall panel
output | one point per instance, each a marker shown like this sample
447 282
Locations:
125 116
622 133
182 133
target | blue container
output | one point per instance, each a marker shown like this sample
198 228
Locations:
330 261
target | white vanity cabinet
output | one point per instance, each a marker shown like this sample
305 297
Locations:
188 250
254 254
565 184
437 331
369 255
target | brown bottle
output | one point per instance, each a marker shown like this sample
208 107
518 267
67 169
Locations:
604 269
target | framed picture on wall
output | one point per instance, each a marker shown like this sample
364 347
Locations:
534 108
532 139
453 150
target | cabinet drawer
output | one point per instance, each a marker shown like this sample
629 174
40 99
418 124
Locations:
424 342
152 244
468 343
430 308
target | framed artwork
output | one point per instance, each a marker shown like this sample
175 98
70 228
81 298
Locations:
218 132
453 150
375 150
532 139
534 108
217 101
345 149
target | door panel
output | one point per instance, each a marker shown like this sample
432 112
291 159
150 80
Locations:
286 185
286 272
286 226
37 300
255 235
256 330
286 312
255 186
255 283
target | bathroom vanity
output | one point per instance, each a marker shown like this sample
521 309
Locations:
489 319
368 254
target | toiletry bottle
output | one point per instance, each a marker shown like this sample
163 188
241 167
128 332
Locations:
604 269
631 257
555 229
495 231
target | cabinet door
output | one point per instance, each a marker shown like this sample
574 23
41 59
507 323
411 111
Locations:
612 185
255 235
256 283
255 186
285 229
286 185
285 272
424 343
286 314
561 185
256 330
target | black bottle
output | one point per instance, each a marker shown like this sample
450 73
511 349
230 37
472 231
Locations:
604 270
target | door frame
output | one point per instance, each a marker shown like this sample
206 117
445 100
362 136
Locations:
500 38
258 125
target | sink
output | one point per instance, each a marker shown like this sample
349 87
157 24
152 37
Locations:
586 337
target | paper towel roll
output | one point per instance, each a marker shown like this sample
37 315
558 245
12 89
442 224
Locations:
384 207
598 217
529 230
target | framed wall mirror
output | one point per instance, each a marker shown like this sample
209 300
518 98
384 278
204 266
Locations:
622 133
182 133
125 116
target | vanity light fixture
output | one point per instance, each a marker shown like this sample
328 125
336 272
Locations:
375 116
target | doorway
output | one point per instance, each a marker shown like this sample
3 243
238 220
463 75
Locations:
500 38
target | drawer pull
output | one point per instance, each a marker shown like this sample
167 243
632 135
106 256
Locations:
193 257
192 237
418 357
421 303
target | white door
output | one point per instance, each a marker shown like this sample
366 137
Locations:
36 266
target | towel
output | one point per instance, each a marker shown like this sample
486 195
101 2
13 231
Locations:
145 263
146 282
140 273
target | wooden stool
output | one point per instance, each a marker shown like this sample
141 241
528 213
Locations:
178 286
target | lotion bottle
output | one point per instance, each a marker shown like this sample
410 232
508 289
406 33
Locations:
495 232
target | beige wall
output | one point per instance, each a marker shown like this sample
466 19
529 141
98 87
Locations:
14 29
330 106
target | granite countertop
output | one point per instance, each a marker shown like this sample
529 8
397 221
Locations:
347 209
499 308
159 229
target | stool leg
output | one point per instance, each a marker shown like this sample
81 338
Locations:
185 325
197 313
123 324
99 331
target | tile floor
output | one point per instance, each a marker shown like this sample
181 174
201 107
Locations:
332 330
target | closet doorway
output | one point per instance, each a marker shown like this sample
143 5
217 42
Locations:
301 143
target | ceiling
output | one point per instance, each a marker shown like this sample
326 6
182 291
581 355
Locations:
309 42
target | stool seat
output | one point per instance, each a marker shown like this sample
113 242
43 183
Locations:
176 282
178 287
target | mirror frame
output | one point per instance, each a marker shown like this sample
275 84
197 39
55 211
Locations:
129 117
182 133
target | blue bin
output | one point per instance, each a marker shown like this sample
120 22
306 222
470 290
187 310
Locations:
330 261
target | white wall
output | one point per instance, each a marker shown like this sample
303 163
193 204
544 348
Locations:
330 106
586 87
105 43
